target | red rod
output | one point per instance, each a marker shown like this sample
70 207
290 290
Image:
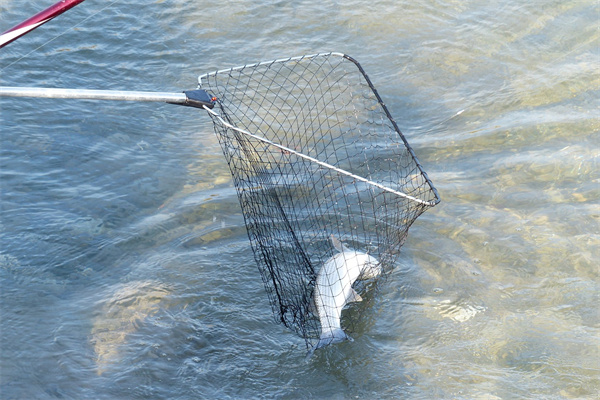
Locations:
40 18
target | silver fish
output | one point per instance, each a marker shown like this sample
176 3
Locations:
333 289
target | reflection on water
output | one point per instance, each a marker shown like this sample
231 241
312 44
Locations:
125 269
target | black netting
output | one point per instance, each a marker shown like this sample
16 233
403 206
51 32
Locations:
316 158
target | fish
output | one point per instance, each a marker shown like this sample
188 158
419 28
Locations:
121 313
333 289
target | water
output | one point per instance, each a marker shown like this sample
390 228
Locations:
125 268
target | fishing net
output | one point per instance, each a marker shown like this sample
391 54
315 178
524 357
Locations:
315 157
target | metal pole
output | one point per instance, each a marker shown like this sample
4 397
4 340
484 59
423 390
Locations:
193 98
55 93
40 18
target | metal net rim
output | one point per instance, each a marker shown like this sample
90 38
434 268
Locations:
270 62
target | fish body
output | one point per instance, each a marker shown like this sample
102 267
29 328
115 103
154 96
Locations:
333 289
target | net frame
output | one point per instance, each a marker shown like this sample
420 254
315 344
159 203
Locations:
315 153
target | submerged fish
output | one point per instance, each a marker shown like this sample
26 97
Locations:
333 289
121 313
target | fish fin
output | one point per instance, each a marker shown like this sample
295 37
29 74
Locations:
335 336
353 296
338 245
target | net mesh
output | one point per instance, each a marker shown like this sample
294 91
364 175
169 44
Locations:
316 158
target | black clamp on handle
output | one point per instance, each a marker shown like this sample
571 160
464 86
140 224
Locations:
198 98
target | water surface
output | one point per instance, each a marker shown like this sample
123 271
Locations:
125 268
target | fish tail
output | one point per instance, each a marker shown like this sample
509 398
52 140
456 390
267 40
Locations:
325 340
336 335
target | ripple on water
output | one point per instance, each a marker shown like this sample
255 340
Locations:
123 247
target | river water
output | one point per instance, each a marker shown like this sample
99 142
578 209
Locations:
125 268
